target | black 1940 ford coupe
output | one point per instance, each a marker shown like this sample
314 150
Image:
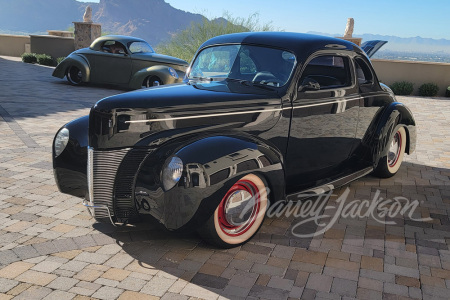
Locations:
259 116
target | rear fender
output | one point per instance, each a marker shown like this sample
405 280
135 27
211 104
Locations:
76 60
394 116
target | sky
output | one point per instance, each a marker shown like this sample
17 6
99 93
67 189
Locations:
403 18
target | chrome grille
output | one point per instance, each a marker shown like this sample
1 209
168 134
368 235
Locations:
102 170
124 207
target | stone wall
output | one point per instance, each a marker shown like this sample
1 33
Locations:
14 45
390 71
55 46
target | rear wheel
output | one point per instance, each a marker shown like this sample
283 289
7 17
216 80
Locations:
389 164
74 75
239 215
152 81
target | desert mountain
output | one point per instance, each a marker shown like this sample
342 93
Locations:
152 20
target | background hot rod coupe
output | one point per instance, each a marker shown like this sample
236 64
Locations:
121 60
260 116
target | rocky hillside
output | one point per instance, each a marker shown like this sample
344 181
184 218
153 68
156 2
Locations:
152 20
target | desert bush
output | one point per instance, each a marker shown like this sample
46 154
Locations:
403 88
44 59
29 58
185 43
447 92
59 60
428 89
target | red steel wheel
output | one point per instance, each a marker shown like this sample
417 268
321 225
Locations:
389 164
239 215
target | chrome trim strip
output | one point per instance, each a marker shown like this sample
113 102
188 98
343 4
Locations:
316 191
206 116
90 173
238 113
331 102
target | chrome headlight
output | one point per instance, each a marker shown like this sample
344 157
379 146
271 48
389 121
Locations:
173 73
172 172
61 140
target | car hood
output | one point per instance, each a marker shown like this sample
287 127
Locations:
159 58
123 120
178 97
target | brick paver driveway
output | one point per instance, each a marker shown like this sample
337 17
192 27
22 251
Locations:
51 248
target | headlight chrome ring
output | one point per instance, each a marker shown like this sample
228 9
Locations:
61 140
173 73
172 172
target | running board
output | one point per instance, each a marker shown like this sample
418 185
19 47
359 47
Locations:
322 189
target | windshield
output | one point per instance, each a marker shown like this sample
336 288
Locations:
140 47
253 64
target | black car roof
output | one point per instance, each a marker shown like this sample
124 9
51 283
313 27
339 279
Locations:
300 43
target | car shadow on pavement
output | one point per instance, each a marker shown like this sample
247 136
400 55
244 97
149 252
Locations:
186 257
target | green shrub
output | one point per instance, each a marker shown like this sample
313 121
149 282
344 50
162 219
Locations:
447 92
29 58
403 88
428 89
44 59
60 59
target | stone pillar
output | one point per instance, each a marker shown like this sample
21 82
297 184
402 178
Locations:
86 33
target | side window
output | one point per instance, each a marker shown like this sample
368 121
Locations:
363 72
247 66
329 71
113 47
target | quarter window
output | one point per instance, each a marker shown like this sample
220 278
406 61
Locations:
329 71
363 73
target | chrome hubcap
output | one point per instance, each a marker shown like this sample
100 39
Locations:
394 149
238 208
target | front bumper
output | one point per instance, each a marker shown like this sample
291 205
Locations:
91 207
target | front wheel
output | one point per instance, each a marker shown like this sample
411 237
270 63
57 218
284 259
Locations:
152 81
239 215
389 164
74 75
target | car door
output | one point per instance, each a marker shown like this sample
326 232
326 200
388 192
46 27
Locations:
112 67
324 119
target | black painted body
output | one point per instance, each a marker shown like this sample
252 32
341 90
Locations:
295 140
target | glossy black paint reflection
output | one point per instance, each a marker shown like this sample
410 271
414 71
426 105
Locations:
69 168
211 162
293 139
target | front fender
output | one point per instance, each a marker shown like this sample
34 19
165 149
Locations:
395 115
211 166
76 60
160 71
69 168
